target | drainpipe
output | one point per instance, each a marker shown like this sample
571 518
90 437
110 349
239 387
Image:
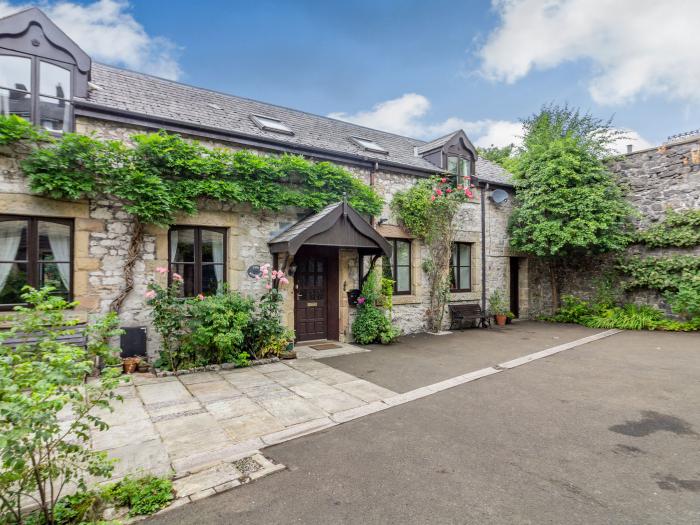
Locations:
483 188
372 182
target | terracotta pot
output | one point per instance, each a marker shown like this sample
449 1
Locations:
501 320
130 364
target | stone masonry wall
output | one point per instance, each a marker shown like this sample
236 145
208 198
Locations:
655 180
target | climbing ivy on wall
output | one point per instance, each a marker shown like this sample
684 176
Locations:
163 174
680 229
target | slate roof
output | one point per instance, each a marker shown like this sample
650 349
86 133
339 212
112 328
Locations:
303 224
123 90
437 143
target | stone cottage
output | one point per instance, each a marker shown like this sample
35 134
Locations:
80 247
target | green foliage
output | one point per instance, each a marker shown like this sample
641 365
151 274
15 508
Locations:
216 326
625 317
506 156
659 273
143 496
386 286
15 129
498 304
164 174
427 210
678 229
686 300
169 313
242 360
39 379
372 324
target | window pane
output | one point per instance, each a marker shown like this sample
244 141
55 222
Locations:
465 166
54 241
212 278
56 275
54 81
182 245
54 114
455 247
15 103
15 73
453 277
452 164
13 276
403 253
13 242
465 280
464 254
387 271
403 279
187 273
212 246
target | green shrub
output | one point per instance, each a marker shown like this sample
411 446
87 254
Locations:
686 300
372 325
572 310
143 496
216 327
627 317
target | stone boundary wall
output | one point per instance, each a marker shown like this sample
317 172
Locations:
654 180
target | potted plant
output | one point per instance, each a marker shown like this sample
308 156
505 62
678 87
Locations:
498 308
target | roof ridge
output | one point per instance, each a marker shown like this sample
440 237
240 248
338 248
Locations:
217 92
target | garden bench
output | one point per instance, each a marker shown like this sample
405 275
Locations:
461 314
79 338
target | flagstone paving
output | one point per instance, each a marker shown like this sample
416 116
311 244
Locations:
194 422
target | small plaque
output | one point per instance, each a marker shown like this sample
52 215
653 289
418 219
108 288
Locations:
308 305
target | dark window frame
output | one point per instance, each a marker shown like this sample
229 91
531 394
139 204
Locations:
459 265
459 164
33 261
34 88
198 264
394 265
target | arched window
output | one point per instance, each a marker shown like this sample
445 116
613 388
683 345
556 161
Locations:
37 90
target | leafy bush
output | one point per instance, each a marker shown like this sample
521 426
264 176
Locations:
686 300
372 324
497 304
143 496
627 317
39 454
216 327
15 129
679 228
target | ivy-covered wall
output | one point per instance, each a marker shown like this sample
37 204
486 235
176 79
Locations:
656 180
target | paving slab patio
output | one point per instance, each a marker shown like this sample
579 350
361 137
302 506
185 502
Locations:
192 422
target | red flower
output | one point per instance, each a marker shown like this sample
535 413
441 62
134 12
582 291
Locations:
448 190
443 180
459 187
432 197
439 191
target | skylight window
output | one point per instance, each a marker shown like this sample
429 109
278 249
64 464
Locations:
369 145
214 106
271 124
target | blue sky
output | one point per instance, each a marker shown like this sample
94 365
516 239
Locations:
417 68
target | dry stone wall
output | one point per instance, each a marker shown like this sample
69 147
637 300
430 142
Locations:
655 180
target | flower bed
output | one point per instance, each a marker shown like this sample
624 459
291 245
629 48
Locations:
213 368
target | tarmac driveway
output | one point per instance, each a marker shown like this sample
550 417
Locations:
608 432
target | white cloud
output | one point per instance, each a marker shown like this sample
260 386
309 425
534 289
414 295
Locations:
406 114
636 48
109 33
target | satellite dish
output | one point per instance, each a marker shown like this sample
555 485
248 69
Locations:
499 196
254 271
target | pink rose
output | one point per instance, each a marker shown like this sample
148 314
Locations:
177 277
284 280
264 272
257 277
360 300
150 294
443 180
274 274
200 297
459 186
161 269
280 273
265 266
439 191
268 286
448 190
432 197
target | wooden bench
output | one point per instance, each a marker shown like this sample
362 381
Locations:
78 338
461 314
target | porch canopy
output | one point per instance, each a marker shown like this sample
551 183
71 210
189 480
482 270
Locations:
336 225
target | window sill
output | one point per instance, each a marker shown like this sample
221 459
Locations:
404 299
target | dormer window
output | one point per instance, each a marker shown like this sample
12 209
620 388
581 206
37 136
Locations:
37 90
369 145
271 124
459 166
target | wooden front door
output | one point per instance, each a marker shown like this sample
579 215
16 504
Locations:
311 295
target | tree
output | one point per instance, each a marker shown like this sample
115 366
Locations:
43 380
505 156
567 203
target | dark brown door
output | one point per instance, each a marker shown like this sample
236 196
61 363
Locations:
311 285
514 290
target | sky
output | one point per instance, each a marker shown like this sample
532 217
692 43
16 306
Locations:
416 68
